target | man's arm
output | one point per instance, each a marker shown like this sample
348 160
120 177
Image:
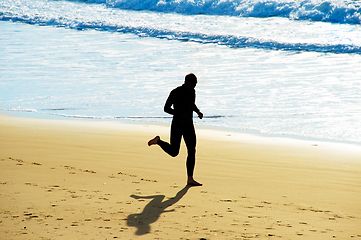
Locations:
168 105
200 115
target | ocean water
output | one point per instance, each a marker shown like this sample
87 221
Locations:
275 66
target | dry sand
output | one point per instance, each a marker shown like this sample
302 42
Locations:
99 180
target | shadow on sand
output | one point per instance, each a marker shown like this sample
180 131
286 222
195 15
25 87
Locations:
152 211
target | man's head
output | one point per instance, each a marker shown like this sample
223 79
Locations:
190 80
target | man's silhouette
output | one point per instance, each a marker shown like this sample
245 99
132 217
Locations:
182 99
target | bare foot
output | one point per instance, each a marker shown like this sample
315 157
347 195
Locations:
192 182
153 141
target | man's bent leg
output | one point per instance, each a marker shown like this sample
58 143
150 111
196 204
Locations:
175 139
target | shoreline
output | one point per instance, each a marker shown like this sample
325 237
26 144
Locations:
64 179
128 121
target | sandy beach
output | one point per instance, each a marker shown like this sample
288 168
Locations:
77 179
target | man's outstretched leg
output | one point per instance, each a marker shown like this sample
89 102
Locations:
191 141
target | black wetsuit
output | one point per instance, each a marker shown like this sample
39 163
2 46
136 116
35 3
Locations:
183 100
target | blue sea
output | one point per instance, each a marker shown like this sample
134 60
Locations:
272 66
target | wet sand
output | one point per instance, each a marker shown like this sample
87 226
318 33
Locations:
76 179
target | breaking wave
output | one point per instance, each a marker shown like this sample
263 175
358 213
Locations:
337 11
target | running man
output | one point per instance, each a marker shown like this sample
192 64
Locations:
183 100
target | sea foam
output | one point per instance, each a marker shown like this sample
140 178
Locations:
230 31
